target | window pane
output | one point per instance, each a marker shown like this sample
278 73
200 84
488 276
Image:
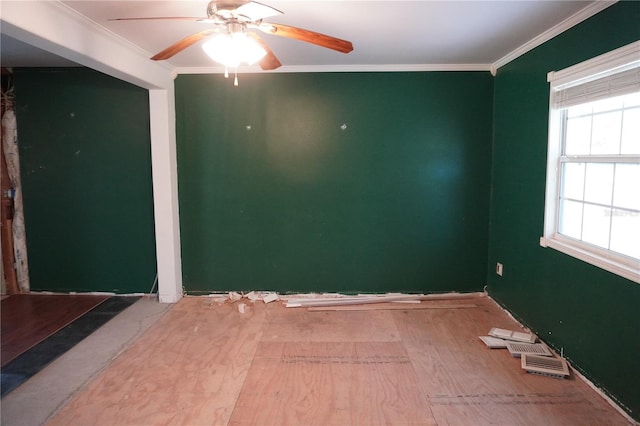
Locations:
599 183
606 133
608 104
570 220
578 137
631 132
573 181
632 100
626 189
625 233
595 228
583 109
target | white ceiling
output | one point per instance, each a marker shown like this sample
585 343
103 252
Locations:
391 35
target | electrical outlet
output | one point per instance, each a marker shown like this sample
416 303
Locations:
499 268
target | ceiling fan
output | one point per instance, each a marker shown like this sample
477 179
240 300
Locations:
236 19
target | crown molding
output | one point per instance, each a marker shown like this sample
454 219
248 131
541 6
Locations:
339 68
578 17
71 47
100 31
59 29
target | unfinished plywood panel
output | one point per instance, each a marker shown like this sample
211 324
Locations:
449 363
298 325
337 383
206 363
467 383
188 369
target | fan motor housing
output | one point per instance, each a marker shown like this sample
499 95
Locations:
223 9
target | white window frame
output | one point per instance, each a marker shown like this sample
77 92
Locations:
622 59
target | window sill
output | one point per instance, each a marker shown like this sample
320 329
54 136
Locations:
596 259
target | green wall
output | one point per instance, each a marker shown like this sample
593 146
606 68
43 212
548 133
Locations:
589 314
86 175
398 201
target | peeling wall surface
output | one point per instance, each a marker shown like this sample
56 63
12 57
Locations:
86 174
587 313
345 182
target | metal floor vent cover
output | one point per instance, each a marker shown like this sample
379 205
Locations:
517 349
493 342
547 366
516 336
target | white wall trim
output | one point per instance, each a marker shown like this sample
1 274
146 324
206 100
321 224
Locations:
580 16
340 68
165 194
581 73
610 263
56 28
123 43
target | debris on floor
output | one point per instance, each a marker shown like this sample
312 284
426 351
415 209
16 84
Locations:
517 349
337 301
544 365
513 335
494 342
234 296
392 306
217 298
271 297
535 357
252 296
327 300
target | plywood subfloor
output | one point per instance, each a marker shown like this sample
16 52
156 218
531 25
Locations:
28 319
205 363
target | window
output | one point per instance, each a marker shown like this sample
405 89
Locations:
592 204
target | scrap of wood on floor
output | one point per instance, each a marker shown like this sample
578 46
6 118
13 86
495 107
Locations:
368 299
391 306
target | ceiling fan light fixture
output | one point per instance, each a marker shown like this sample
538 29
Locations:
233 49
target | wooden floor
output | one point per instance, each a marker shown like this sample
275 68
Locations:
28 319
208 364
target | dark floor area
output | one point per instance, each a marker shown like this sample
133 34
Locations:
20 369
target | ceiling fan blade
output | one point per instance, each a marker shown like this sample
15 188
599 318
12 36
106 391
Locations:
323 40
269 61
181 45
255 11
164 18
